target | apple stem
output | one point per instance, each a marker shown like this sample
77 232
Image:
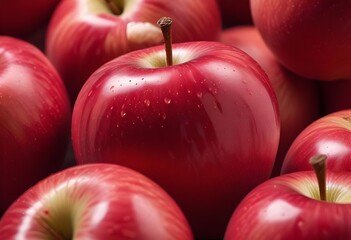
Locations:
114 7
165 24
318 164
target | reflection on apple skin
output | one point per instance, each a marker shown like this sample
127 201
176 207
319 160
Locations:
285 207
197 128
95 201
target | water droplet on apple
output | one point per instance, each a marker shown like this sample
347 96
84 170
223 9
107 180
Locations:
147 102
164 116
111 108
167 100
300 224
199 94
123 113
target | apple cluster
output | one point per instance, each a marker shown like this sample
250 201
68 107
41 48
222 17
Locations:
187 119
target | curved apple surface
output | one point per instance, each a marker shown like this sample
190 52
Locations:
288 207
35 118
95 201
84 34
329 135
298 98
197 127
22 17
310 37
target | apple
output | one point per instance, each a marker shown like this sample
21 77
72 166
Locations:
95 201
310 37
84 34
329 135
22 17
295 206
35 117
336 95
235 12
195 123
298 98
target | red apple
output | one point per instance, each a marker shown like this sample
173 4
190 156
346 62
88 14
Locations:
310 37
22 17
84 34
35 118
289 207
329 135
95 201
298 98
235 12
336 95
197 127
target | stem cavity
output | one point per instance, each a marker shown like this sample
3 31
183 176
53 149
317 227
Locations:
318 164
114 7
165 24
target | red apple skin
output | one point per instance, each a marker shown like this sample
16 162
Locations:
35 118
197 128
298 98
105 201
329 135
279 209
84 34
21 17
336 95
235 12
310 37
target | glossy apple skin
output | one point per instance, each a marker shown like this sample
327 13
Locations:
235 12
35 118
21 17
84 34
206 129
281 209
330 135
298 98
310 37
104 201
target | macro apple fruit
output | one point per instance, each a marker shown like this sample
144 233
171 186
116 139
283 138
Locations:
196 123
35 117
95 201
84 34
296 206
22 17
298 98
235 12
329 135
309 37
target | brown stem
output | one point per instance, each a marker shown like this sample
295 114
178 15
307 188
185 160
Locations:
114 7
318 164
166 27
